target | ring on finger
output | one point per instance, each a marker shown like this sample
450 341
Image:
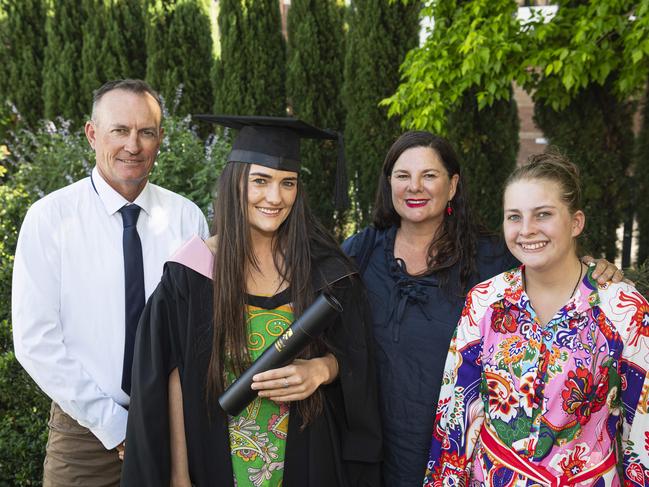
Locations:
285 382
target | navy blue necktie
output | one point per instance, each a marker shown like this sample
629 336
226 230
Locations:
134 286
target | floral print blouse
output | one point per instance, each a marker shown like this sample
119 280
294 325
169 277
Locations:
561 396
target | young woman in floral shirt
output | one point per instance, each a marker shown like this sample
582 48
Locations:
546 377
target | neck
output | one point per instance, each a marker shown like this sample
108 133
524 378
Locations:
560 276
420 233
130 192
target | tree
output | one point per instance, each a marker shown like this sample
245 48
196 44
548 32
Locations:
113 43
486 142
314 84
486 139
179 47
581 66
249 78
380 34
642 183
62 65
22 41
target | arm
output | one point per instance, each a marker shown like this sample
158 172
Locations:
635 386
38 333
456 421
298 380
604 270
179 463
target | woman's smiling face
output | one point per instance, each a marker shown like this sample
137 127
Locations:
421 186
271 194
539 228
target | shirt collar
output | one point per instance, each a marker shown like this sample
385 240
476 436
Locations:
585 296
112 200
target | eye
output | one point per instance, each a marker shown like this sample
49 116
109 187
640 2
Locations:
430 176
401 177
544 214
513 218
119 131
149 133
289 183
259 181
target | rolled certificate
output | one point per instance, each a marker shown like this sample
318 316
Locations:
282 351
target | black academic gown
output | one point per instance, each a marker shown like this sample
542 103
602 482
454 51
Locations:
342 447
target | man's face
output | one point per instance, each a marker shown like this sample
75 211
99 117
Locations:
125 134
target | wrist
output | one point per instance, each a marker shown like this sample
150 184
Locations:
330 368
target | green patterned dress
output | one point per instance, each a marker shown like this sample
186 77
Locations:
258 434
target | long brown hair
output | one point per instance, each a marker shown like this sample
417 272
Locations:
296 239
456 240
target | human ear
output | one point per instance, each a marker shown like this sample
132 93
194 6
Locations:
578 223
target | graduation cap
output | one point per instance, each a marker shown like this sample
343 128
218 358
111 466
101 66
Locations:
275 142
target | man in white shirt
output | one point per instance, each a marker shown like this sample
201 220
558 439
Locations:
70 309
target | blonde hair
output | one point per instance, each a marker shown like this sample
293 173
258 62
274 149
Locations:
552 166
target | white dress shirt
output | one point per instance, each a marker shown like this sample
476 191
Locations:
68 307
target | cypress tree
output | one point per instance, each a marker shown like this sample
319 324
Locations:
249 78
179 47
486 142
595 132
641 172
314 83
380 34
113 43
62 65
22 45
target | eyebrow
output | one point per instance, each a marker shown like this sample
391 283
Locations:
537 208
122 126
432 169
264 175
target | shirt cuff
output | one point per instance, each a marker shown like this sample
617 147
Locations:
114 431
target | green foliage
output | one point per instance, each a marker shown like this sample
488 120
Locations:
380 34
179 48
589 43
469 50
113 43
23 424
249 78
62 65
314 84
595 132
641 173
485 48
189 166
22 41
486 142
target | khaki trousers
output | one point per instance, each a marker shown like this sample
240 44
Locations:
74 457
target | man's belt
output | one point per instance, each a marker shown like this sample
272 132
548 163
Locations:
510 459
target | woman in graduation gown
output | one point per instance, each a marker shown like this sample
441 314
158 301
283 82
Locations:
220 303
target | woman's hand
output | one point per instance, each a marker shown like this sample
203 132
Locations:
604 270
296 381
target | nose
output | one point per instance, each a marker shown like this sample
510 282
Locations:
414 184
273 194
527 226
133 145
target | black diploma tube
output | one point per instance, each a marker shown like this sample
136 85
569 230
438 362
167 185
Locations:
282 351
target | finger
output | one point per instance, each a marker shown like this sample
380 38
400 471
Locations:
274 374
600 267
283 383
618 275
